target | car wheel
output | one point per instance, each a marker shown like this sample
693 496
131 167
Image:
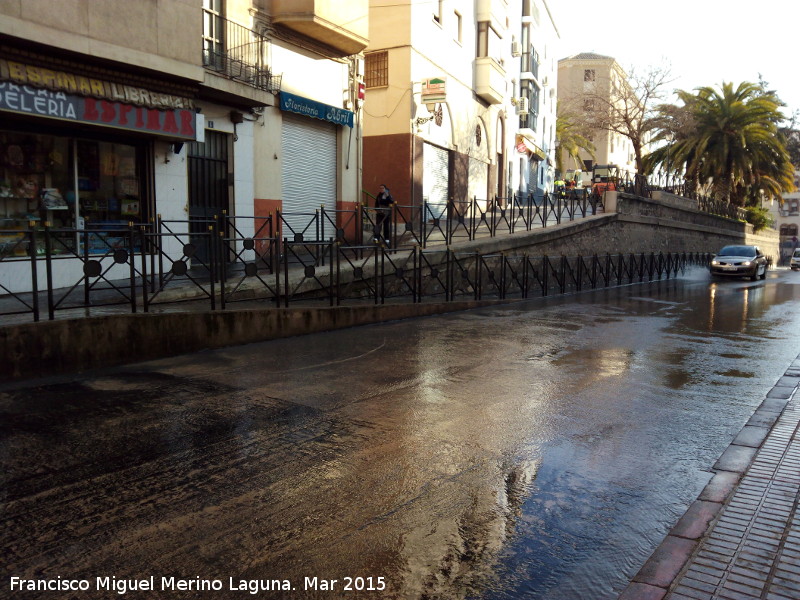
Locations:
764 273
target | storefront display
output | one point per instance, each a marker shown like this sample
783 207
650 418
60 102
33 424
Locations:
68 183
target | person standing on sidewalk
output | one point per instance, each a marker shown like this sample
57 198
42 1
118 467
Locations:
383 216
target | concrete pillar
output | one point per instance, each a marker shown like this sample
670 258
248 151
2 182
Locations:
610 202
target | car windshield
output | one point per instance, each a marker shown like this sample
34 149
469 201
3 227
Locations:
737 251
797 253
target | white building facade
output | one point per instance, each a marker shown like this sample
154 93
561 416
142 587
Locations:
444 115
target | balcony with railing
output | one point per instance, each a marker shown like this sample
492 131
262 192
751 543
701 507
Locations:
529 64
238 53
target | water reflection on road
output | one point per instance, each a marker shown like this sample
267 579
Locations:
538 450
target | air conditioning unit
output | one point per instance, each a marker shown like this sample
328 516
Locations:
516 49
522 106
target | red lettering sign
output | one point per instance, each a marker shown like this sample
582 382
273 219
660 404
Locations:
187 123
170 124
108 111
153 121
124 109
90 110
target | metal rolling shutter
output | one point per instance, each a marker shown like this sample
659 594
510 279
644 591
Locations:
308 171
434 179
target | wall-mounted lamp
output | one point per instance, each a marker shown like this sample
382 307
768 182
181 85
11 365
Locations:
236 118
431 106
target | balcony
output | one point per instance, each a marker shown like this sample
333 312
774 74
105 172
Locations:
529 64
237 53
493 11
490 80
343 26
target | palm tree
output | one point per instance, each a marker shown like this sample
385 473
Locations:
735 142
570 140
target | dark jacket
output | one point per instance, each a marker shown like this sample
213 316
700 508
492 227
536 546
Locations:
384 200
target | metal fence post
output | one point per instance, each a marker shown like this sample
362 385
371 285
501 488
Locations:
214 249
34 270
48 254
545 275
142 239
330 271
478 277
285 272
375 274
132 260
382 251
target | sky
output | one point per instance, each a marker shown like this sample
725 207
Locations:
702 42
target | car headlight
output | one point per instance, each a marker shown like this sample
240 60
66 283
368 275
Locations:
746 263
714 262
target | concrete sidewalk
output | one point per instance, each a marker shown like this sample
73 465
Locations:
741 538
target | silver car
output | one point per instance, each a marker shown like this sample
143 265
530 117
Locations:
794 263
739 261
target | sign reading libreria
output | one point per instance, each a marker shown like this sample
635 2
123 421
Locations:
41 102
316 110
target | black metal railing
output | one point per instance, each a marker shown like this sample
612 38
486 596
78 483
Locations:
238 53
470 219
151 266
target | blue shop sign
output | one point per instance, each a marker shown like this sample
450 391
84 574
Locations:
317 110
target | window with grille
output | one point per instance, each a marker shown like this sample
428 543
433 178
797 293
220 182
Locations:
376 69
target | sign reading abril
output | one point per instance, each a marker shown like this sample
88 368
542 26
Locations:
316 110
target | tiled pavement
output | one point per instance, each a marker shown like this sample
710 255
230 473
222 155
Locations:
741 538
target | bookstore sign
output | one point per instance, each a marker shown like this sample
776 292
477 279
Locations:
44 93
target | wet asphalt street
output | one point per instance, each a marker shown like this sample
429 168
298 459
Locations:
536 450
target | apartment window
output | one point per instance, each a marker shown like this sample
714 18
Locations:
488 42
588 75
457 22
528 90
376 69
213 43
437 15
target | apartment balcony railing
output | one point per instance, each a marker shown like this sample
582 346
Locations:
238 53
529 62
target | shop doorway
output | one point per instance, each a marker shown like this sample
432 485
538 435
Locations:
209 187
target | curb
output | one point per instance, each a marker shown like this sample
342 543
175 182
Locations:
670 558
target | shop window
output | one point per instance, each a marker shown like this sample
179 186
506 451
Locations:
68 184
